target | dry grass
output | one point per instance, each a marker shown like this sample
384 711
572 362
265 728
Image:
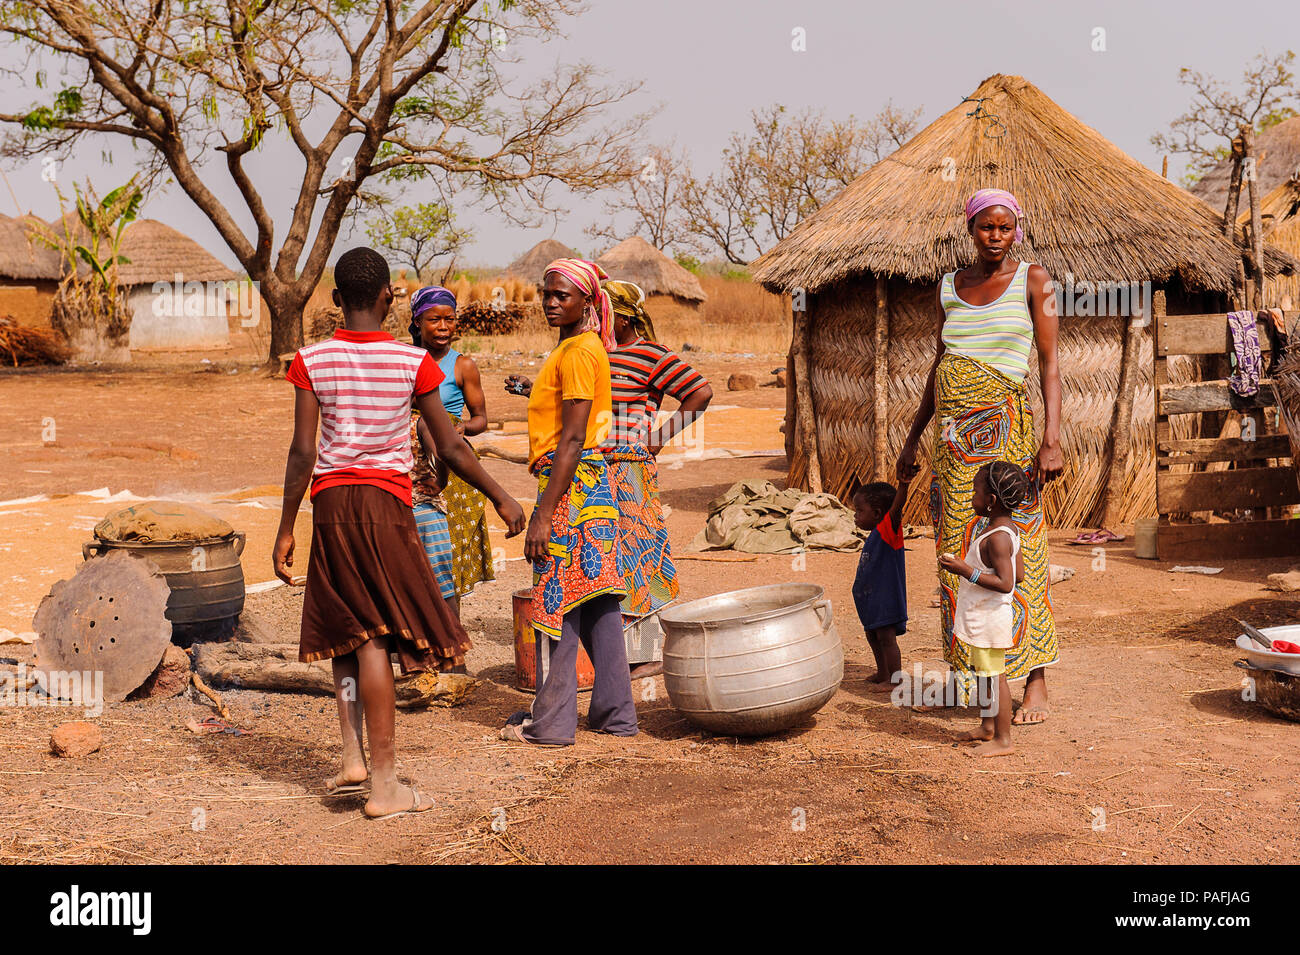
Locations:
739 317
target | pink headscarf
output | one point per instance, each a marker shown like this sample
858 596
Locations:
995 197
586 276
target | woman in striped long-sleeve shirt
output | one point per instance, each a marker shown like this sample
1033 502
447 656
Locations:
643 372
992 314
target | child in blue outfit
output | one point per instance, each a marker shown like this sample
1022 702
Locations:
880 587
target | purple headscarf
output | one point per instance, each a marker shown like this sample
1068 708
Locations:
425 299
431 295
995 197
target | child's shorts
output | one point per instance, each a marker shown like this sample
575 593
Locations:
987 661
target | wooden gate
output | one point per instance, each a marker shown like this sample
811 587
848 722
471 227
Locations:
1253 473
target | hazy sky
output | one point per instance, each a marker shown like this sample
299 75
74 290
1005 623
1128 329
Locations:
708 63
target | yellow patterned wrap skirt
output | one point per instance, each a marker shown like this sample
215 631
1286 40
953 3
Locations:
983 416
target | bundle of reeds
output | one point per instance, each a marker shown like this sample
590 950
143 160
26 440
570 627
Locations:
20 345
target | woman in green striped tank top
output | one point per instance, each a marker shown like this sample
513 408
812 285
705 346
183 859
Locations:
991 315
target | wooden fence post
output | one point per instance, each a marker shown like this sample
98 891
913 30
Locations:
803 398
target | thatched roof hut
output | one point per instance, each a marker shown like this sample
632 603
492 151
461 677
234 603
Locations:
23 257
184 316
1278 149
636 260
1279 213
867 264
532 264
158 253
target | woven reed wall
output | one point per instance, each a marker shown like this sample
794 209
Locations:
1089 350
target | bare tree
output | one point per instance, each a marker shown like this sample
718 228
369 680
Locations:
356 92
649 204
1204 133
780 171
418 235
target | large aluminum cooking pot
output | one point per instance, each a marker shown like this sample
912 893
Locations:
751 662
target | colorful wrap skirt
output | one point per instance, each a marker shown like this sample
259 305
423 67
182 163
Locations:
983 416
471 550
431 524
643 550
582 557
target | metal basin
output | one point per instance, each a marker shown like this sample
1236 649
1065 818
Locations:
752 662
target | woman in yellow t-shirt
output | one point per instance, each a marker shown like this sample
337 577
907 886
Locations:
572 536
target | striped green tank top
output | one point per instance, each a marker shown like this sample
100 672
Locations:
1000 334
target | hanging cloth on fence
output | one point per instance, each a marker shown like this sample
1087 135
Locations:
1275 325
1244 380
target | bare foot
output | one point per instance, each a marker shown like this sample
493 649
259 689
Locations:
1034 709
1029 715
877 686
980 735
396 799
992 748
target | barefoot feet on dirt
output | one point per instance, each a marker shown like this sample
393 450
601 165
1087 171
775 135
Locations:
1034 709
992 747
980 735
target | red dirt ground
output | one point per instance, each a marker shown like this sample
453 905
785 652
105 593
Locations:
1148 724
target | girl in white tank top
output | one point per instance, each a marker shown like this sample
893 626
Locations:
984 617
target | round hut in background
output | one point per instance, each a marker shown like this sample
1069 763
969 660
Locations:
862 274
636 260
1278 152
531 266
29 271
180 294
1279 212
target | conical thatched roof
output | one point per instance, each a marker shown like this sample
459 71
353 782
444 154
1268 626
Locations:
23 257
532 264
1091 210
636 260
1278 149
158 253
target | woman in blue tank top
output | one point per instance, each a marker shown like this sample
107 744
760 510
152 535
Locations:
433 327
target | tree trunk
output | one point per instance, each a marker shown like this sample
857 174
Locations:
1230 221
1121 430
275 666
1256 226
286 325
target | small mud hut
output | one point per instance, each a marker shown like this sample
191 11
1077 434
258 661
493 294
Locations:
531 266
29 272
636 260
866 266
177 290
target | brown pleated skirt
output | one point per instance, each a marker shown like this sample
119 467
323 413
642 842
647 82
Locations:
368 577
